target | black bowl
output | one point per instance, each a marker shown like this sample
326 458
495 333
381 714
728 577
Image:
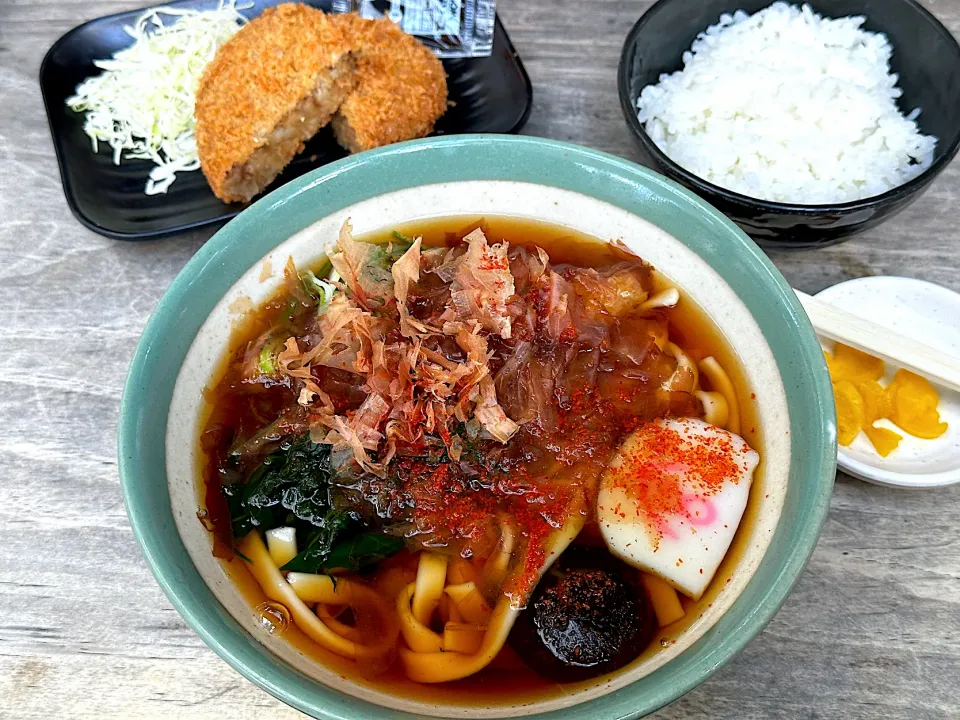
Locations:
925 56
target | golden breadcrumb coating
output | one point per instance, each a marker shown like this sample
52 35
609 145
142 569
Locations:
268 90
401 86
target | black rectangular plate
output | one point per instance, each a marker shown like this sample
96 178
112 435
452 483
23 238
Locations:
488 95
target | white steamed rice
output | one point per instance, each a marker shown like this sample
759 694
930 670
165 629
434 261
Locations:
789 106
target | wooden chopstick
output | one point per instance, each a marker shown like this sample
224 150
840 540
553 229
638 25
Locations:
849 329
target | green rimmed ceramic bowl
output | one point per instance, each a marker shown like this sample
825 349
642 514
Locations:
690 242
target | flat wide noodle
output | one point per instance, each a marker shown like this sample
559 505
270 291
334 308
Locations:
436 667
721 383
431 577
685 378
715 408
417 635
343 630
319 589
469 602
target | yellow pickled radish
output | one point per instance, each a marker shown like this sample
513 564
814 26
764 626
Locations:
877 404
884 441
877 400
919 388
915 406
910 401
852 364
850 411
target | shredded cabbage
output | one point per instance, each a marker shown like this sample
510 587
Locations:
142 103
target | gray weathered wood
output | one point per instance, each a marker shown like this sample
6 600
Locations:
872 630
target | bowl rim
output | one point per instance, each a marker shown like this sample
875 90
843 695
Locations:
712 190
268 222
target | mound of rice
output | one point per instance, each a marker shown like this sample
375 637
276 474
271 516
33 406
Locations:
789 106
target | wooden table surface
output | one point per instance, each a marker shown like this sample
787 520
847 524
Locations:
871 631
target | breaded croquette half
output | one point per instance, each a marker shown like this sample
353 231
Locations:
268 90
401 86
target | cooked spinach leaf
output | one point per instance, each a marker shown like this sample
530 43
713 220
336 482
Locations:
335 546
293 480
292 487
362 551
319 543
245 517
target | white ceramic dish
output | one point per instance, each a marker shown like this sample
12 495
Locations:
928 313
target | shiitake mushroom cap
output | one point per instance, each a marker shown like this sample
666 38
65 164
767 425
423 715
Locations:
585 618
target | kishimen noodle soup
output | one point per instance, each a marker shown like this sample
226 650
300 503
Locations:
462 458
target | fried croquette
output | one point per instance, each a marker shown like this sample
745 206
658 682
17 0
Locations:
401 86
266 92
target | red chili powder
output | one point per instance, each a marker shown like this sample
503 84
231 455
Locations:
489 261
457 511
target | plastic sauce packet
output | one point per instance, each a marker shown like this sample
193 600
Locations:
451 28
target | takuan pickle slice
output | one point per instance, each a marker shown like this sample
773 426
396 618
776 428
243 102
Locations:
850 411
915 406
884 441
853 365
910 401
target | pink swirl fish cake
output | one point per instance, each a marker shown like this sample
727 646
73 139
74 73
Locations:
672 499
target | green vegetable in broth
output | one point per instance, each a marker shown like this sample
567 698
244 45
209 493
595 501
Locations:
320 290
292 487
267 359
311 558
333 547
294 480
362 551
393 251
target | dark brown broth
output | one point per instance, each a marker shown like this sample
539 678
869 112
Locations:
507 680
